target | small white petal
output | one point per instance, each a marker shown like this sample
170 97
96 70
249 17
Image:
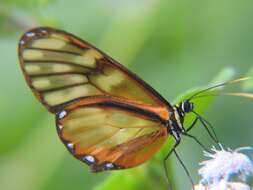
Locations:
223 185
225 164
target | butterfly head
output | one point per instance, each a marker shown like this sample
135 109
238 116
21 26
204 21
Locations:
179 111
186 106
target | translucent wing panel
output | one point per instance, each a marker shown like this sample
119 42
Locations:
33 69
57 82
109 135
114 81
87 59
61 68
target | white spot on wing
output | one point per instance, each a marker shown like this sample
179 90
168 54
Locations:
44 31
62 114
70 145
89 159
109 166
30 34
60 127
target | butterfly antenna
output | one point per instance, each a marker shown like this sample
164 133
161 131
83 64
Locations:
219 85
207 125
238 94
183 165
167 175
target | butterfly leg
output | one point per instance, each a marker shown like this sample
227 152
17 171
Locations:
195 138
192 125
206 125
177 139
185 169
212 134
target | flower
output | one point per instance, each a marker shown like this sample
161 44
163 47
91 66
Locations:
223 185
226 169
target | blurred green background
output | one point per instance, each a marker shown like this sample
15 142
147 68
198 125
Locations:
173 45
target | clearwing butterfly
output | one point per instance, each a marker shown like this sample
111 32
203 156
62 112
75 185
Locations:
106 116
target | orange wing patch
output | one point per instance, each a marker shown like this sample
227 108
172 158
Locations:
109 136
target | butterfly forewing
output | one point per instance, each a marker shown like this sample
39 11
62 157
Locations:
103 133
61 68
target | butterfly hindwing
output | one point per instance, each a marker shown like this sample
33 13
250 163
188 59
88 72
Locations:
108 136
61 68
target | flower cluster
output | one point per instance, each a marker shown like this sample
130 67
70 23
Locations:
226 170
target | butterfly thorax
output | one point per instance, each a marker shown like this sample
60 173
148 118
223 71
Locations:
177 118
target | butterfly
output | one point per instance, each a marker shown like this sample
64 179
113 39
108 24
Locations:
106 116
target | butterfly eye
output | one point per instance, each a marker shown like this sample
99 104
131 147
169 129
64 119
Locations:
187 106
